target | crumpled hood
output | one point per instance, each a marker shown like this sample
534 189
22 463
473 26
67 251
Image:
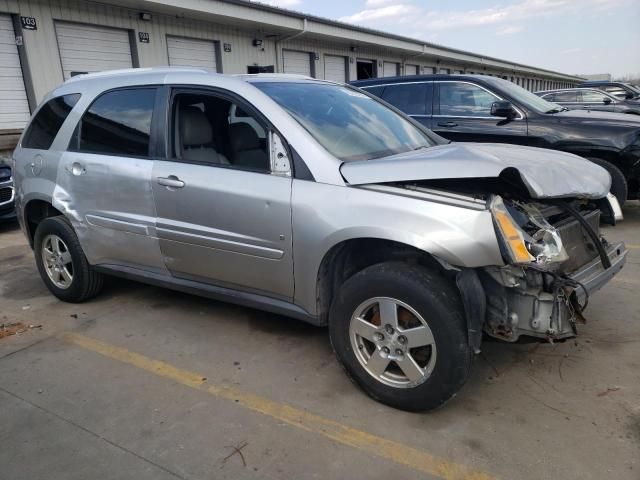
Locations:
545 173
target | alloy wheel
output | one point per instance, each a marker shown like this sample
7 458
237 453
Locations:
392 342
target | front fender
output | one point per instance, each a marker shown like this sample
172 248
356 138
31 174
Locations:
325 215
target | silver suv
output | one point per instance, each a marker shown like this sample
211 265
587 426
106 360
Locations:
316 201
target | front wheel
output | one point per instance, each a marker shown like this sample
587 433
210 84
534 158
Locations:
399 332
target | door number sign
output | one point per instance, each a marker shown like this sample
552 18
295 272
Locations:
29 23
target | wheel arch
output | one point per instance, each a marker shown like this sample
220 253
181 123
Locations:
349 256
35 211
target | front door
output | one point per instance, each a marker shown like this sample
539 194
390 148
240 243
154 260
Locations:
223 216
462 112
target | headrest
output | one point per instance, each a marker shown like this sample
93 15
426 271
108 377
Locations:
195 128
243 137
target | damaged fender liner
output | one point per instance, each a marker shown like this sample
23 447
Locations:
475 305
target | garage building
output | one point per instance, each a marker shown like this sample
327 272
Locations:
44 42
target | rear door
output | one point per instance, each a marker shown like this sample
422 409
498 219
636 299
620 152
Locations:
223 215
106 177
462 112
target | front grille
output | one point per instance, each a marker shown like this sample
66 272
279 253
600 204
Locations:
577 242
5 194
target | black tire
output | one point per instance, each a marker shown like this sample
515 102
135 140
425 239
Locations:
619 185
437 301
86 282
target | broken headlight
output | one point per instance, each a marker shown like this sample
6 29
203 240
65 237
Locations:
540 243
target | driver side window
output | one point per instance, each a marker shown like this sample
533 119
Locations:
459 99
214 130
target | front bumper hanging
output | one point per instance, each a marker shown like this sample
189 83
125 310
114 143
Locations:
521 301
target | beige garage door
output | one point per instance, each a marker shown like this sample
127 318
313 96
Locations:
389 69
296 62
411 69
14 108
188 52
335 68
90 48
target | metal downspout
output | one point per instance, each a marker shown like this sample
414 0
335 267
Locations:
290 37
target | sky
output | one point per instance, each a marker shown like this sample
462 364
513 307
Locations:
569 36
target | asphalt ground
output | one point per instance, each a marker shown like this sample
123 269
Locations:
146 383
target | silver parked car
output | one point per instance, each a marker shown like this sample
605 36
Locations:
316 201
582 98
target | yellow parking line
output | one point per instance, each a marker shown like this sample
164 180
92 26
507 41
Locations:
381 447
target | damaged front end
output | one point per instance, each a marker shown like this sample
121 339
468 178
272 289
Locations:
556 257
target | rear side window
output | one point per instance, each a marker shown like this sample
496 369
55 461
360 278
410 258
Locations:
570 96
45 125
117 123
411 98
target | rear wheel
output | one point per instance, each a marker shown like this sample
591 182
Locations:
400 334
61 262
618 183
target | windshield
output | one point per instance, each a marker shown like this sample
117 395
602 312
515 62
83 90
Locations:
346 122
528 99
633 88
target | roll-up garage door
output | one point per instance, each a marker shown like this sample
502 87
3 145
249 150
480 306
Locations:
14 108
411 69
296 62
188 52
389 69
89 48
335 68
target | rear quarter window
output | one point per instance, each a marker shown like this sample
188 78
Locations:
44 127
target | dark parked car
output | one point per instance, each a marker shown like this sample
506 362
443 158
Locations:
590 99
478 108
620 90
7 204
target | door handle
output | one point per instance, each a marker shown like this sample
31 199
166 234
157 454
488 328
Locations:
171 182
76 168
447 124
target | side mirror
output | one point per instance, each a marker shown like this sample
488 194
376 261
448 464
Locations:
503 108
628 95
606 101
